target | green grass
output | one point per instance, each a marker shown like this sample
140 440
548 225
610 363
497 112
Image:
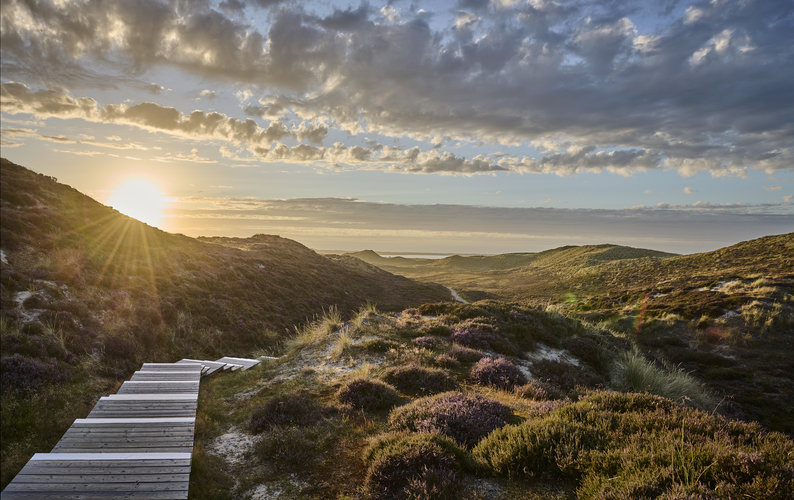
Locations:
634 373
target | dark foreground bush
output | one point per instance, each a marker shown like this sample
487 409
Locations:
291 409
464 418
497 372
415 466
615 445
368 395
416 380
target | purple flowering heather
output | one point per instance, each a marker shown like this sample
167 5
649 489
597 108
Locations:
497 372
464 418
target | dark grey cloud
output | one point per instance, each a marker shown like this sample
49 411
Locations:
709 88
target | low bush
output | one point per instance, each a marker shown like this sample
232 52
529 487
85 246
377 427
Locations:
473 338
416 380
497 372
465 354
290 409
614 445
21 373
565 375
368 395
286 448
464 418
590 351
413 466
435 329
540 390
428 342
446 361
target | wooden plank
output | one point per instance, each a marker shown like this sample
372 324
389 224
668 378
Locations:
103 475
152 386
245 362
196 366
166 376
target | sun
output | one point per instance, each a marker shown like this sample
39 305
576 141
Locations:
140 199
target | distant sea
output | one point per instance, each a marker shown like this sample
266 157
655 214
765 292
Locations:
416 255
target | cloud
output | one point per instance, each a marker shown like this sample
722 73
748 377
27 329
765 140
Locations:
155 88
265 143
688 190
706 90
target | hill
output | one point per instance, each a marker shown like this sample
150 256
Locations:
726 316
487 400
509 276
86 294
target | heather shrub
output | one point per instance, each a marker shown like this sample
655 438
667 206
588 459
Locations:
473 338
615 445
497 372
464 418
588 350
435 329
565 375
413 466
416 380
465 354
428 342
290 409
368 395
286 447
540 390
446 361
378 345
22 373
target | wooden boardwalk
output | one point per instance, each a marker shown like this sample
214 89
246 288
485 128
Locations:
136 443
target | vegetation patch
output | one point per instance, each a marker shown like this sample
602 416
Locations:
565 375
540 390
368 395
465 354
466 418
639 445
290 409
417 380
497 372
413 466
634 373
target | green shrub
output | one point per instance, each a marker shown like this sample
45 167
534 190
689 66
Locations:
416 380
402 465
538 447
615 445
368 395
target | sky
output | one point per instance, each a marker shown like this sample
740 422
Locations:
469 126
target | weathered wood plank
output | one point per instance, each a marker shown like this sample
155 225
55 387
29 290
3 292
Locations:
246 363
